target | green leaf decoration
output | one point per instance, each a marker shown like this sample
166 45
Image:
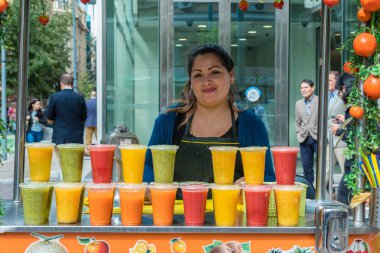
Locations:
246 246
217 242
83 240
208 248
173 240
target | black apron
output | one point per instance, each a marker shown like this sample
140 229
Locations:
193 160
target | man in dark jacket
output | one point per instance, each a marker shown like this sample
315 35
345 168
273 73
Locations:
67 112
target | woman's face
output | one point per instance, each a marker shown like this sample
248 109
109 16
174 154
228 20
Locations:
36 106
210 80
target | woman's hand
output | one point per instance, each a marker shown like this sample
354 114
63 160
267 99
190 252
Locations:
239 182
334 127
340 117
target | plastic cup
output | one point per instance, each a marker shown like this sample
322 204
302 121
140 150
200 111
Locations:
100 201
194 200
285 163
223 163
71 161
131 203
288 204
257 204
39 156
225 199
253 159
102 162
69 202
133 160
36 198
163 198
163 162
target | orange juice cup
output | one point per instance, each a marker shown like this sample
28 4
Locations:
36 198
100 201
71 161
223 163
288 204
39 155
285 164
131 203
163 162
102 162
225 199
253 159
163 198
133 160
69 201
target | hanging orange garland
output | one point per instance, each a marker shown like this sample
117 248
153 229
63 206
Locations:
3 5
243 5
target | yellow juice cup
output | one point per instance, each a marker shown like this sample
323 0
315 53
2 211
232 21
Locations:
69 201
133 161
253 159
39 156
288 204
36 198
223 163
225 198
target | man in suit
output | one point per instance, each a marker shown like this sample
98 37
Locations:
91 119
336 107
67 112
306 124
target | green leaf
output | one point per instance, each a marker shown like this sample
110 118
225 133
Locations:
208 248
246 246
217 242
83 240
173 240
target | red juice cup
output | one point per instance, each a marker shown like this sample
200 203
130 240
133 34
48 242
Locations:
102 162
285 163
194 200
163 199
257 204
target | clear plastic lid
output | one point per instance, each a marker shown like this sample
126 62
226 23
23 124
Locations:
68 185
223 148
36 185
71 145
288 187
129 186
164 147
253 149
247 187
194 185
102 147
39 145
100 186
285 149
173 185
225 186
133 146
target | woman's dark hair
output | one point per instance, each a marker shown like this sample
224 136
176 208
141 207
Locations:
345 81
30 106
187 102
308 81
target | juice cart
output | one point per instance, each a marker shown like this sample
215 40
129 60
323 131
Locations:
325 227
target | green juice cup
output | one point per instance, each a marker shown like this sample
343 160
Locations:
71 161
36 199
163 162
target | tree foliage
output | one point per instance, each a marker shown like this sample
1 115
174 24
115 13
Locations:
48 50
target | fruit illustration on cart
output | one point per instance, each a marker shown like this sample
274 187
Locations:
295 249
358 246
228 247
177 245
94 246
46 244
142 246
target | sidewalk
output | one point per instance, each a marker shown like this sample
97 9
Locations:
7 174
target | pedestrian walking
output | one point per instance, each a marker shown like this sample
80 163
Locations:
35 119
91 119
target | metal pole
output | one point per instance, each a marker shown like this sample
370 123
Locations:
331 165
323 105
21 98
4 97
75 48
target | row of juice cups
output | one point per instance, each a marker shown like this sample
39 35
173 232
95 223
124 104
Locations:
133 160
69 201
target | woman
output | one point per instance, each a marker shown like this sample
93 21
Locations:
35 118
207 116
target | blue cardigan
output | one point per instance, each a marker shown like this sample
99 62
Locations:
251 132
